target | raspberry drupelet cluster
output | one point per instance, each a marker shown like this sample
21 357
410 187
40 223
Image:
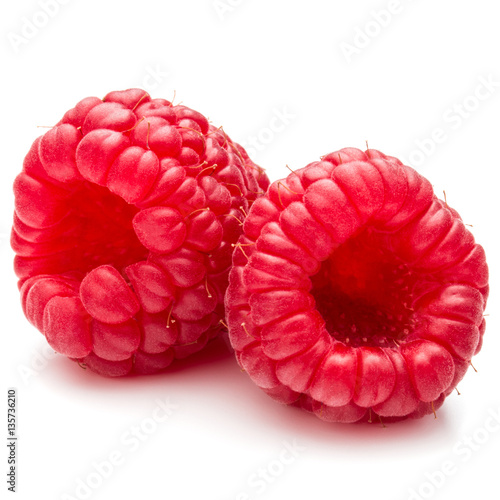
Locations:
125 216
349 289
355 292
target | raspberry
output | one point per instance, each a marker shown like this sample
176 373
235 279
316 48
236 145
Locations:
125 213
355 292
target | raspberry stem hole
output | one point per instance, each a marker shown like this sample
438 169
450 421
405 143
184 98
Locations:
364 294
102 231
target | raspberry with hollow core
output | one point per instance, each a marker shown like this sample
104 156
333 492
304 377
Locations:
355 292
125 213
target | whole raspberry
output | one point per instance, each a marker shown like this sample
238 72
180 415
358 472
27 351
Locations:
125 216
356 292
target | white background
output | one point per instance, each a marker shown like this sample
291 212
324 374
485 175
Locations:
243 64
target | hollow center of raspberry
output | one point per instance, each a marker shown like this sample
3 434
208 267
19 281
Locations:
102 230
364 293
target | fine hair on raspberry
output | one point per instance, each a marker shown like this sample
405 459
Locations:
126 213
356 293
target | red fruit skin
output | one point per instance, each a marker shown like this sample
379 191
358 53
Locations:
125 216
356 294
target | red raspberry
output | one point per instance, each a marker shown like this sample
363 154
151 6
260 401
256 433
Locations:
125 215
355 292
